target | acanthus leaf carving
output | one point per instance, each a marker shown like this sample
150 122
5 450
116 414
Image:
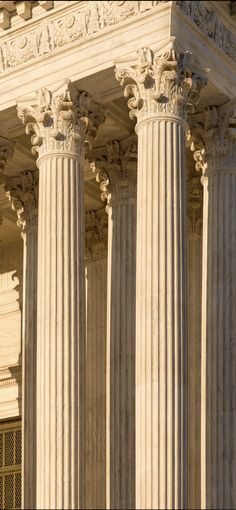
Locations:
161 84
22 191
116 171
195 203
213 139
60 121
96 233
6 152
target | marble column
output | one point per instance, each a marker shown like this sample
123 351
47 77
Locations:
118 185
22 191
162 90
215 153
194 340
59 123
95 360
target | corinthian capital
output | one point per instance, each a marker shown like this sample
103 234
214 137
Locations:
117 171
6 152
60 120
213 139
22 191
163 84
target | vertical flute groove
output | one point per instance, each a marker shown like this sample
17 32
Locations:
218 338
60 329
121 352
161 317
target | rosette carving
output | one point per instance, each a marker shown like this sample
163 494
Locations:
60 121
117 171
22 191
161 84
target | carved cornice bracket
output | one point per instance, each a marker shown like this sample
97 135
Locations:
164 84
117 171
60 120
22 191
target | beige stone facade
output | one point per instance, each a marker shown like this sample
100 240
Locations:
117 254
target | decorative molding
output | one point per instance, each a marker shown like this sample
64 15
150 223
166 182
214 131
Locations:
60 121
96 232
210 23
195 204
212 139
85 22
164 84
22 191
117 171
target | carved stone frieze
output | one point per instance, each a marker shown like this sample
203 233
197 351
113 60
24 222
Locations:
96 232
60 121
211 24
22 191
117 171
79 25
195 203
213 139
161 84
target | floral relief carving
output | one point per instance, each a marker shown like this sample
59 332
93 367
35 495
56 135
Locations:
60 121
22 191
117 171
162 84
80 24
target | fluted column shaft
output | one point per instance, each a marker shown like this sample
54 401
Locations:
218 341
60 123
119 189
194 368
95 474
60 356
22 191
95 360
29 369
214 147
121 354
162 88
161 316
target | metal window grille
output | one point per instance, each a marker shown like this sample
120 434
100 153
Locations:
10 465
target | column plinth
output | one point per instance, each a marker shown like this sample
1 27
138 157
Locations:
162 90
60 123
